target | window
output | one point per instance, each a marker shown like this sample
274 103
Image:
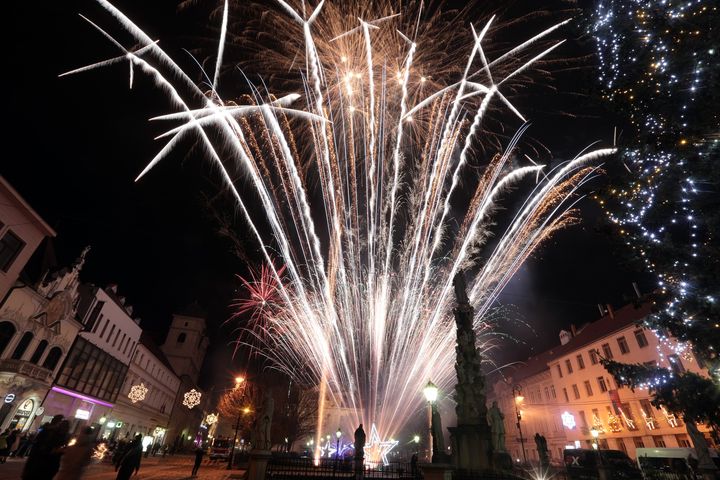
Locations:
39 351
567 399
650 364
576 391
658 441
583 420
102 333
676 364
593 357
552 391
547 393
602 384
10 247
568 365
93 320
588 388
607 351
580 362
52 359
640 337
22 346
622 343
181 338
621 445
638 441
559 370
7 332
91 371
683 441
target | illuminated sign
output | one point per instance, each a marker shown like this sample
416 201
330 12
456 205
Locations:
82 414
568 419
9 397
110 424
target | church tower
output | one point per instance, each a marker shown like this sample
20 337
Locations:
186 342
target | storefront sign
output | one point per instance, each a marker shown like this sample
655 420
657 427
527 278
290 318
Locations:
26 407
82 414
9 398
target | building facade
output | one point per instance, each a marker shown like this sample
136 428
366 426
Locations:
565 392
38 328
185 347
92 374
147 396
21 231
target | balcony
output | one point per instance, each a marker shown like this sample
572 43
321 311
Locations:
27 369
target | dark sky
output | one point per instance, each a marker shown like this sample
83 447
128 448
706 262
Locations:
74 145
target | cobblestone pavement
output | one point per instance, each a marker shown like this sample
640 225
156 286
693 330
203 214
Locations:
157 468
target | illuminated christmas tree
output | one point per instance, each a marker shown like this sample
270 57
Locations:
658 72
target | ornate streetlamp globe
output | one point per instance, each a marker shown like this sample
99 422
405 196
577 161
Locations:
416 439
431 392
594 432
338 434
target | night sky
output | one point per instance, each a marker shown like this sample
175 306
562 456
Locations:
74 145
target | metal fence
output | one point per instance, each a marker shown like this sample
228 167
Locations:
293 468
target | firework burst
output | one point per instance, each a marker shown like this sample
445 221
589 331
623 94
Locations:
361 186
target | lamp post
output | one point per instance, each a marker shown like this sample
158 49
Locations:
416 439
338 434
239 381
517 394
431 393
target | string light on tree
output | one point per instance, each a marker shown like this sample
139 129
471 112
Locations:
192 398
137 393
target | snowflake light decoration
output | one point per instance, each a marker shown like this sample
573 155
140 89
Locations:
192 399
211 418
137 393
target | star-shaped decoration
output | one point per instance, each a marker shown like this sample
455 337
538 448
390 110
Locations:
137 393
376 450
192 398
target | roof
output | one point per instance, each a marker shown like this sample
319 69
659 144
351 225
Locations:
26 206
147 341
612 322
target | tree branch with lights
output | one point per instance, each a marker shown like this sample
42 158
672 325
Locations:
658 72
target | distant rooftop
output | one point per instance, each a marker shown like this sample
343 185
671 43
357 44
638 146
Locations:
609 323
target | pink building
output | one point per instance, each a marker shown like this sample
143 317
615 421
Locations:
565 392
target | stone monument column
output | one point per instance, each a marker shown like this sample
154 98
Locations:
471 438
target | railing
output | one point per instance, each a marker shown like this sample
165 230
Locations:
25 368
293 468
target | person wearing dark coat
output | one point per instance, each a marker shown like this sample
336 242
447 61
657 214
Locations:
44 459
199 452
130 462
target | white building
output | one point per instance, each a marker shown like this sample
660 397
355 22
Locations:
21 231
148 394
38 328
89 382
566 392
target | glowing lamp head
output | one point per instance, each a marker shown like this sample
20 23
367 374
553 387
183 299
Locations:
594 432
431 392
519 399
239 380
416 439
338 434
327 438
102 420
246 410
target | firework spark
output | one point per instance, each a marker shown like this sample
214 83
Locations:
361 189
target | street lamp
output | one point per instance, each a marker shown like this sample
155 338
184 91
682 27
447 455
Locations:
431 394
416 439
239 380
517 393
596 446
338 434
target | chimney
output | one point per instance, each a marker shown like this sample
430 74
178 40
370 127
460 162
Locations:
610 311
637 290
112 287
565 337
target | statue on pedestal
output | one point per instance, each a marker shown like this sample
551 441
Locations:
542 449
497 427
263 423
359 452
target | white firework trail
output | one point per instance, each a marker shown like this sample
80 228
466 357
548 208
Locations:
362 297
